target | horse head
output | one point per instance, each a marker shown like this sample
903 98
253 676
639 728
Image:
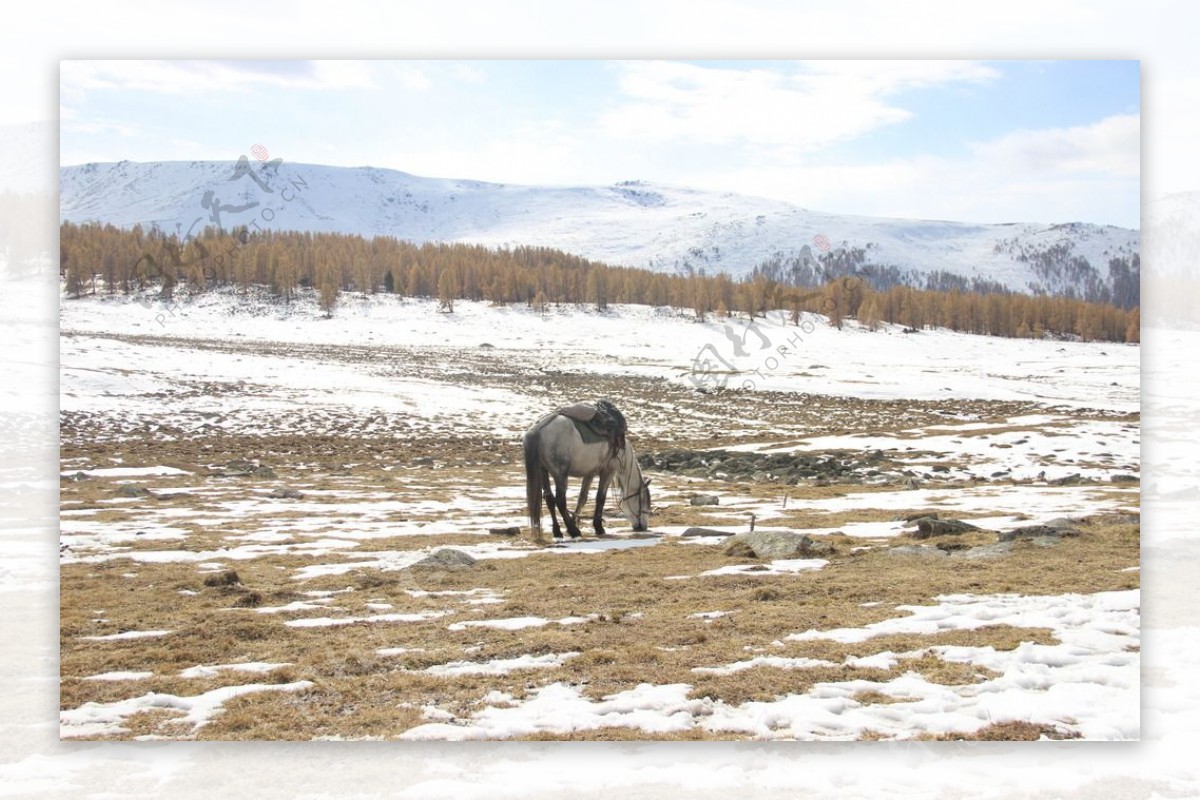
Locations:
635 506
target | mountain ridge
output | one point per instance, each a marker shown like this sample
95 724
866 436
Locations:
634 223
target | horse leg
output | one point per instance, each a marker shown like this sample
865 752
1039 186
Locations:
601 494
585 484
552 506
561 499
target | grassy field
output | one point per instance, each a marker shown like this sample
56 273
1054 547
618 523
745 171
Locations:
229 572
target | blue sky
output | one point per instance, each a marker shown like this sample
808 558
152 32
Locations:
992 141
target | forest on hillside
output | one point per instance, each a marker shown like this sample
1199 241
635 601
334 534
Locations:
107 259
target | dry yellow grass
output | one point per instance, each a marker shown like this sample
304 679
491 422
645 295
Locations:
641 627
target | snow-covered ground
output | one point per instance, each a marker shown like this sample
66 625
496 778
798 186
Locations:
223 364
626 340
1091 678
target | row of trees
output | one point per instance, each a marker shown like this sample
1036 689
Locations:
107 259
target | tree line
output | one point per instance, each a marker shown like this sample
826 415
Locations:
106 259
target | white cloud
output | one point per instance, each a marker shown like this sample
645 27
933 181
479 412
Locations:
175 77
1087 173
1111 146
813 106
95 125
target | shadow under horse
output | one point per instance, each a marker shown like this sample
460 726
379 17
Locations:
586 440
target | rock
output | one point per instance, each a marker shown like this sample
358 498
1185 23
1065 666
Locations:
922 551
936 527
704 500
132 491
506 531
422 461
249 599
740 550
245 467
915 516
1117 519
996 549
1066 481
225 578
448 559
700 531
285 492
1123 478
1033 532
774 545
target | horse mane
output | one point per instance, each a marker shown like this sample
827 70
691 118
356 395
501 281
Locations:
610 416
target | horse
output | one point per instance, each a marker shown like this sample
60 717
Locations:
554 449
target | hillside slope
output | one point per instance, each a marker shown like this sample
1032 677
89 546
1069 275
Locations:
631 223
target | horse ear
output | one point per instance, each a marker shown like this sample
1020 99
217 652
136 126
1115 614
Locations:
646 483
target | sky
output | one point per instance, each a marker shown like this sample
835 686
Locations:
979 141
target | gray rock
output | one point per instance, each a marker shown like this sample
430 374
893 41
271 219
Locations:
506 531
1123 478
920 551
448 559
700 531
1066 481
774 545
1034 532
1118 519
993 551
422 461
285 492
936 527
245 467
132 491
704 500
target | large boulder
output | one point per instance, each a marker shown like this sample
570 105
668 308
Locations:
774 545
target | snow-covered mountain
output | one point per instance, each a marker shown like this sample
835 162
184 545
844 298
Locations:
631 223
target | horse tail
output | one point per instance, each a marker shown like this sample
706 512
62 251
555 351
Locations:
535 477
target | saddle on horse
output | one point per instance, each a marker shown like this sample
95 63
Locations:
598 422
